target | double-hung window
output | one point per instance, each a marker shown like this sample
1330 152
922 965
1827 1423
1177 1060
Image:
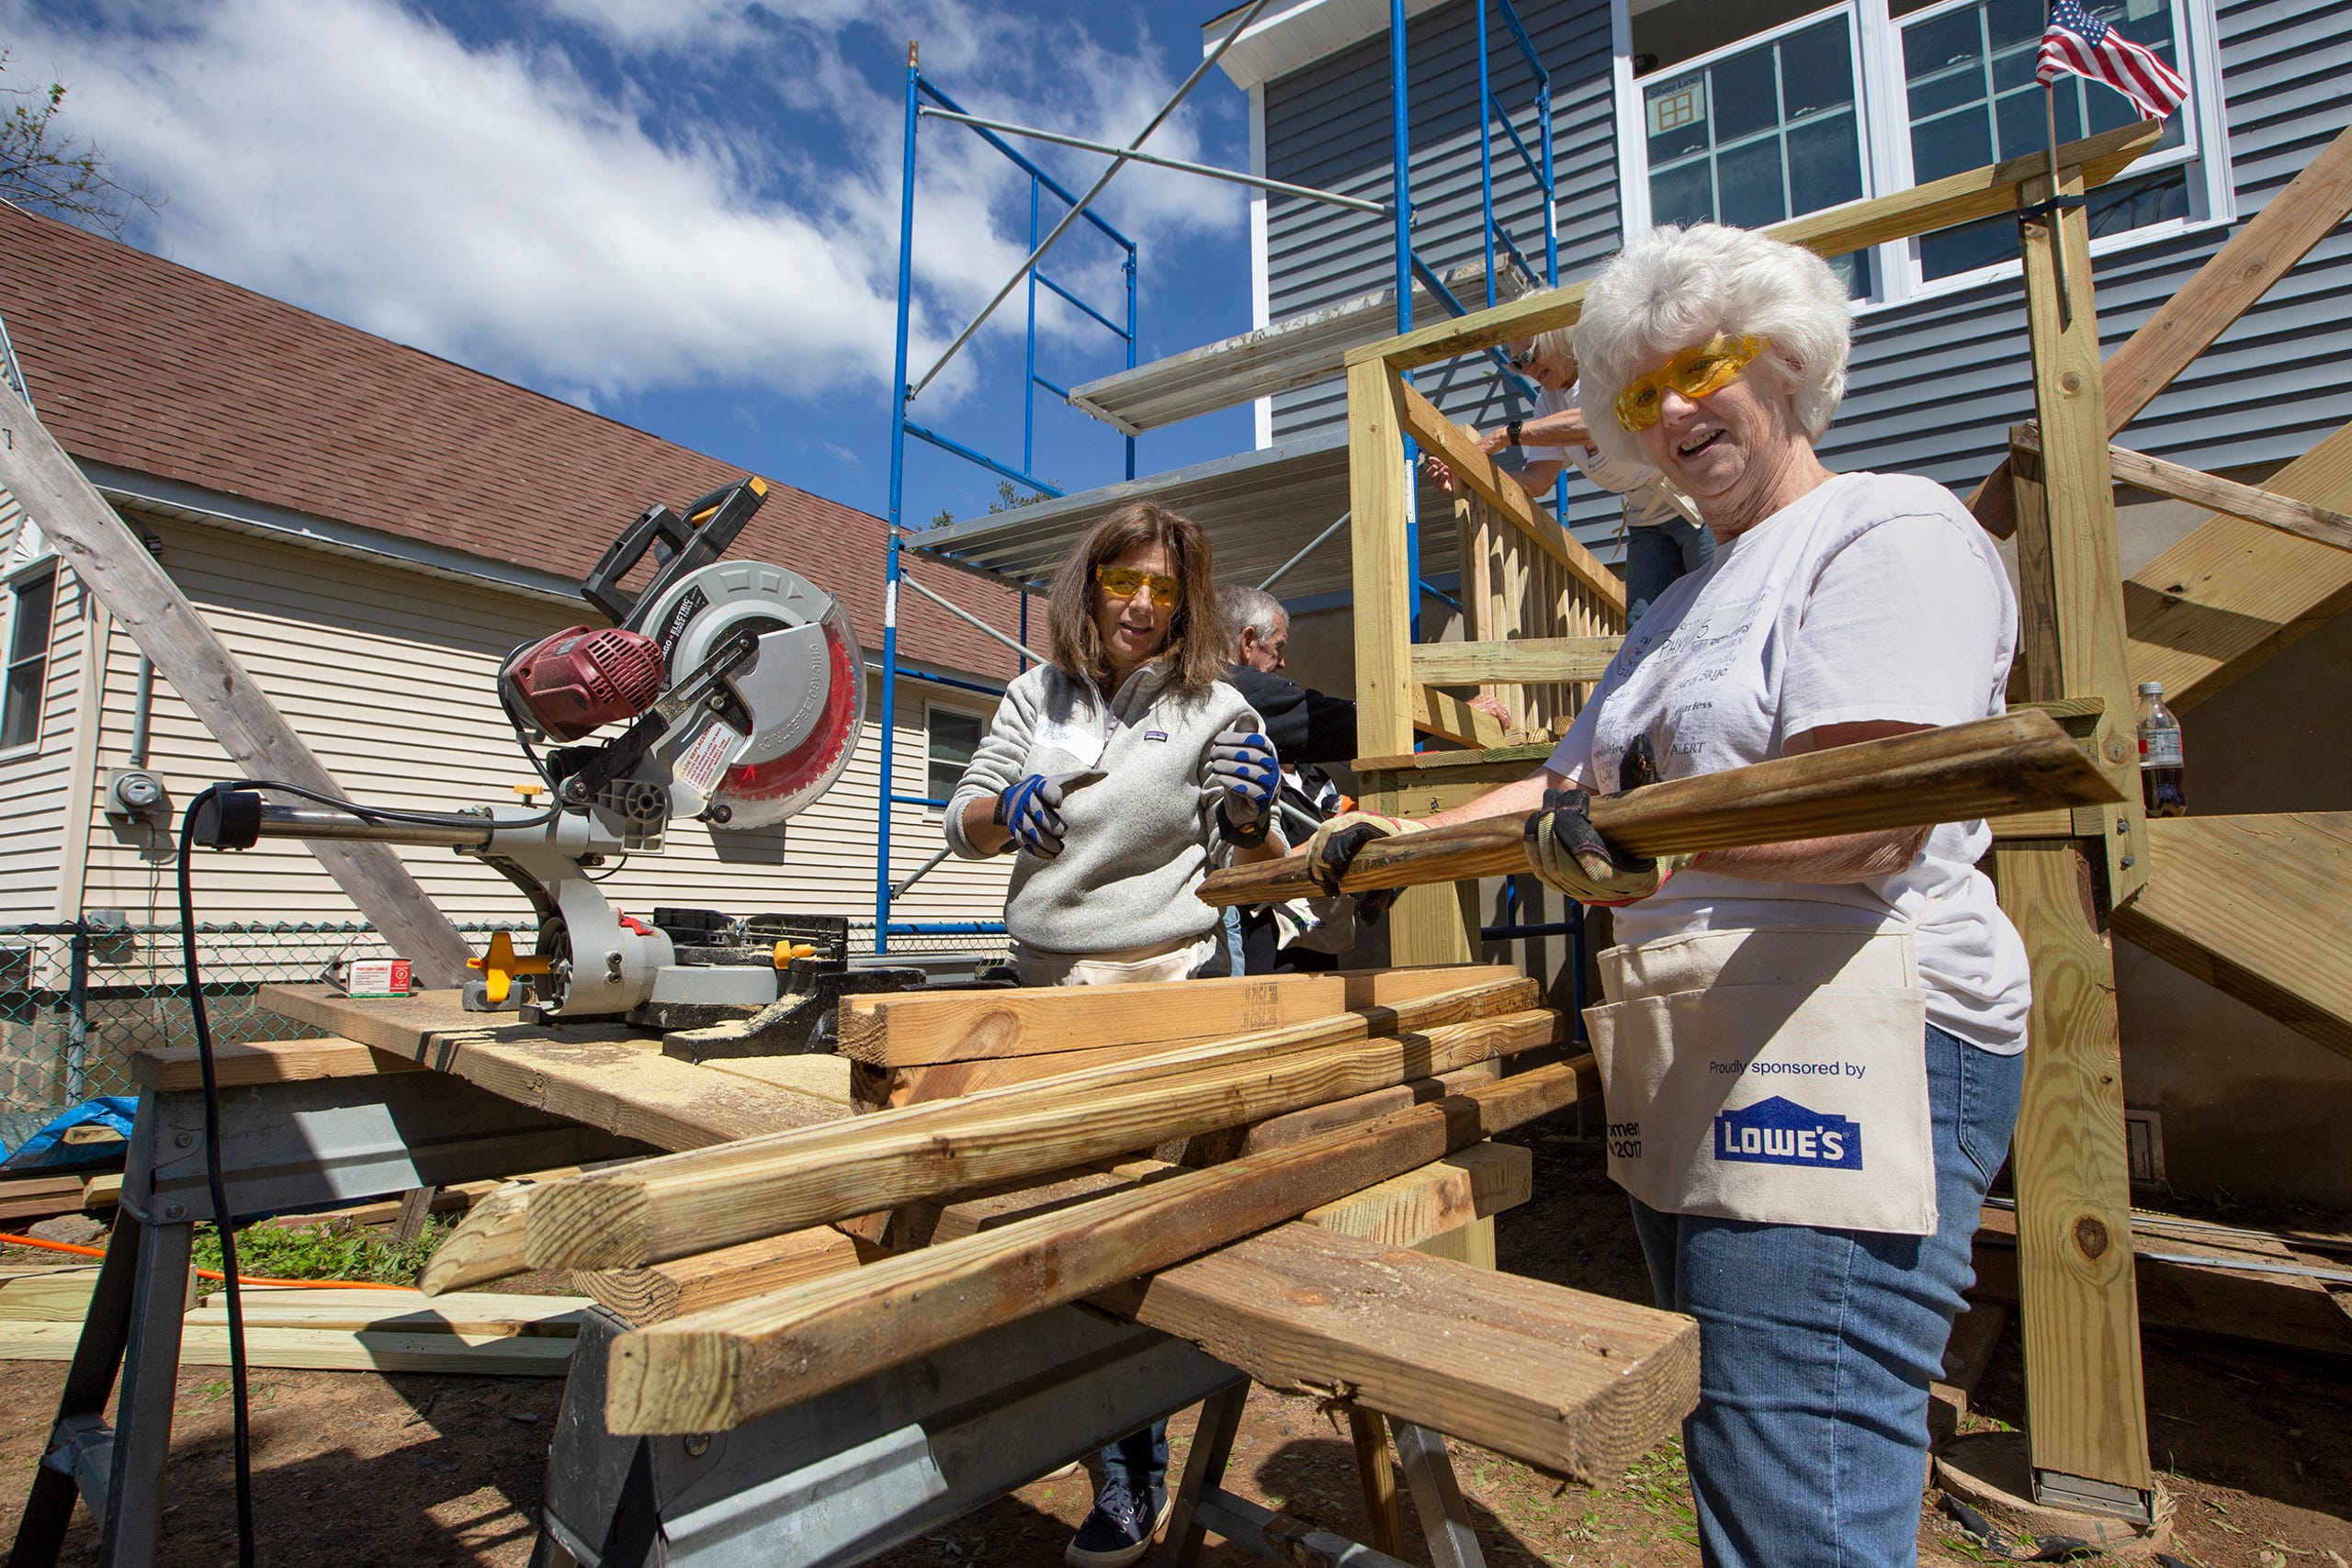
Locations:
951 736
32 609
1754 111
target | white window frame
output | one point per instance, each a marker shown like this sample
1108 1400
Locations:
10 584
931 705
1885 126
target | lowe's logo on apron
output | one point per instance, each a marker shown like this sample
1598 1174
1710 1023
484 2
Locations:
1781 1132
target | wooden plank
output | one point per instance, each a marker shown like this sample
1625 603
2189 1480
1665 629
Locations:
1278 1132
683 1204
1989 192
1451 718
593 1075
498 1355
2256 907
1472 1184
1379 500
38 1197
957 1026
489 1243
1522 661
1454 445
1952 775
173 1069
2233 593
665 1291
2263 250
2077 521
821 1077
126 578
2251 502
716 1370
2085 1413
1575 1383
474 1314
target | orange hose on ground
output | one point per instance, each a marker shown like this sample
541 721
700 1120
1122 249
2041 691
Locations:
8 1240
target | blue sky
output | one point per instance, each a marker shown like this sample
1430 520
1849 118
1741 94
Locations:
681 213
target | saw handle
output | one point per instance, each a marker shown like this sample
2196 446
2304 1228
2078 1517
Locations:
681 545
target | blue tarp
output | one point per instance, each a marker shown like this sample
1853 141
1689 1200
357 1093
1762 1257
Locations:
48 1150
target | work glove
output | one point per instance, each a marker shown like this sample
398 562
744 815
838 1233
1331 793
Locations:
1332 846
1243 760
1032 810
1567 852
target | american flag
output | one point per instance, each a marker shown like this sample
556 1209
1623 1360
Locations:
2079 43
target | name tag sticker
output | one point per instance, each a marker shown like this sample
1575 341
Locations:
1084 743
1781 1132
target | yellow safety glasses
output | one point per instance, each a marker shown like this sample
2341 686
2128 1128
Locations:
1695 372
1123 581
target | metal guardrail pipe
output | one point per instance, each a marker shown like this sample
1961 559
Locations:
961 614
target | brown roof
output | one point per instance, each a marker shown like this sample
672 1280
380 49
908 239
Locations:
145 364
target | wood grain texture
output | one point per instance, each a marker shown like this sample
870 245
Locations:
958 1026
1473 1184
2249 502
494 1355
716 1370
609 1077
126 578
38 1197
1378 501
1575 1383
1316 1120
2233 593
2260 908
175 1069
487 1245
665 1291
2086 1414
1987 192
1953 774
668 1208
2077 517
1451 718
2264 250
1521 661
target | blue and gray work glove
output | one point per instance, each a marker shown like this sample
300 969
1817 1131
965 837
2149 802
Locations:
1032 810
1243 760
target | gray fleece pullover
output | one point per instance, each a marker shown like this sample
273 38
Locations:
1139 839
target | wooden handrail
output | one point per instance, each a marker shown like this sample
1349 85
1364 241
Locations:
2182 482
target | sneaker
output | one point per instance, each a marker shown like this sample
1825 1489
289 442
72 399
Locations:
1122 1527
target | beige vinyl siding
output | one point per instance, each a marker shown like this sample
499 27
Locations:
36 782
389 675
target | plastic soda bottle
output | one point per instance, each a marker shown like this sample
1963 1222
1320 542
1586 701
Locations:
2162 784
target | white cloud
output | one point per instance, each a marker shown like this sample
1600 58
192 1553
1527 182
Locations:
489 203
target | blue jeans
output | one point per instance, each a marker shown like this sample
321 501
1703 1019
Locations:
1141 1457
1657 554
1809 1446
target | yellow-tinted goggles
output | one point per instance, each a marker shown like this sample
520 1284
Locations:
1695 372
1123 581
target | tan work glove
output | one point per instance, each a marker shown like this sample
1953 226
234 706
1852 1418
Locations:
1567 852
1330 848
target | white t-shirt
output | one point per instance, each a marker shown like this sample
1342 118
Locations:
1650 499
1876 596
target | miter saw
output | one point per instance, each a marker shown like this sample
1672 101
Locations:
741 690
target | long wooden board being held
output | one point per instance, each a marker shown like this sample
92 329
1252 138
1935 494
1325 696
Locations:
490 1244
684 1204
716 1370
2018 762
961 1026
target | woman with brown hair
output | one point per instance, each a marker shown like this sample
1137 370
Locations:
1121 773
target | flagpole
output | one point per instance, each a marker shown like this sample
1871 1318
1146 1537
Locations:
2057 244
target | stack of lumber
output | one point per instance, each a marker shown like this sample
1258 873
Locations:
338 1330
760 1272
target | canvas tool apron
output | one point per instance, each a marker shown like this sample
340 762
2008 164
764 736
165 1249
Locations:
1774 1074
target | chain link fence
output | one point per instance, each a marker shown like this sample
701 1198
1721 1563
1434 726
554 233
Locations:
79 998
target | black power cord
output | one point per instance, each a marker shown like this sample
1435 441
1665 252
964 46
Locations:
223 1220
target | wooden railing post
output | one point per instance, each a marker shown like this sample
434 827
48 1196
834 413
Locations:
1383 607
2086 1410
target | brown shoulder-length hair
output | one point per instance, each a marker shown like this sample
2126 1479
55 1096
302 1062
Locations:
1199 648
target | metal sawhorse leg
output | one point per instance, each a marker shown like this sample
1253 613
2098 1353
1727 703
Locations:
285 1148
1203 1505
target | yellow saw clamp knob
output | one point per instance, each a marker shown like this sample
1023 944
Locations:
499 965
785 951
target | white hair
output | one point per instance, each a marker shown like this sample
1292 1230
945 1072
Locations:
1674 287
1248 608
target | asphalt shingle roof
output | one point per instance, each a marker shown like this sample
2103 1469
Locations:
145 364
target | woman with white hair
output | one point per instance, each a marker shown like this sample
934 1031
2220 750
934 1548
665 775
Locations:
1810 1051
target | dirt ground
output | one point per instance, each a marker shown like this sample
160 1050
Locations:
414 1471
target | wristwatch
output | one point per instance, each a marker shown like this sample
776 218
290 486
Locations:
1511 430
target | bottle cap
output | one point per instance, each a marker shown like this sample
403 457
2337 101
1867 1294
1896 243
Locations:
2151 688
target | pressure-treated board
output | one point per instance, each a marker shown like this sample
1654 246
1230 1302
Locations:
1518 661
174 1068
1316 1120
665 1290
677 1206
957 1026
2250 502
1467 1186
609 1077
38 1197
2260 908
497 1355
1379 498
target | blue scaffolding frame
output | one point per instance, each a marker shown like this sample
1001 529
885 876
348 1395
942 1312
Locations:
1409 266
